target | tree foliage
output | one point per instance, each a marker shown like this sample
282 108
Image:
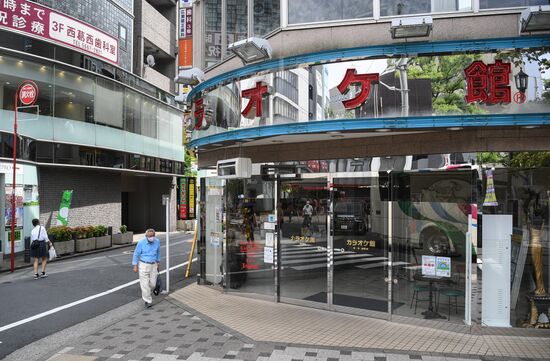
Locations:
448 82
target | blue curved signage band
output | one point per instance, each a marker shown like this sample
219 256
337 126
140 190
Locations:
371 124
378 50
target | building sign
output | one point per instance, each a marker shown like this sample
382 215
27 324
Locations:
363 80
488 83
185 58
186 198
40 22
28 94
186 22
256 96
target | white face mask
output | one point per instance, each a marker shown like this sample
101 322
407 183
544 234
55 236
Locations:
150 239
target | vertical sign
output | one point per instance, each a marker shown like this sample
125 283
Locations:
191 195
182 23
63 214
183 211
188 22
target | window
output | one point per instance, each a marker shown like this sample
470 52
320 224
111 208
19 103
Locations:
237 20
267 16
285 110
491 4
307 11
213 31
286 83
122 37
400 7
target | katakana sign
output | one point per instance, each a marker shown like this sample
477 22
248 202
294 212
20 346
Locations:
38 21
256 96
488 83
364 80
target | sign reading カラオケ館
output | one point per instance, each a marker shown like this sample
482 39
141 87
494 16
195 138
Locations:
38 21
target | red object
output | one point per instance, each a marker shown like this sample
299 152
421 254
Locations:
364 80
488 83
199 114
520 97
28 93
256 96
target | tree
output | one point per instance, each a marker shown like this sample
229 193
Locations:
189 161
448 82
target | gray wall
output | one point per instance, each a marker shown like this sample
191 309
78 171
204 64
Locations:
145 209
96 196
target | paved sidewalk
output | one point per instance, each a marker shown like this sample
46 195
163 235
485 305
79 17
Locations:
188 326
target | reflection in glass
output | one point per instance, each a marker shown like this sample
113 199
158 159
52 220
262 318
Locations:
306 11
109 99
401 7
360 253
132 111
74 96
267 16
303 239
249 202
236 20
492 4
430 219
213 31
149 119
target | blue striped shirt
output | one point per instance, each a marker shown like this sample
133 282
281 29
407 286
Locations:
147 252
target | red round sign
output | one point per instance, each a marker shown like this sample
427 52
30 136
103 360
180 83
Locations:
28 93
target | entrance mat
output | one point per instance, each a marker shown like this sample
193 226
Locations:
355 302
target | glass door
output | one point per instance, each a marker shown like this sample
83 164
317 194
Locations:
302 218
360 243
429 251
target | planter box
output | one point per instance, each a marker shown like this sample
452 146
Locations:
123 238
64 247
102 242
85 244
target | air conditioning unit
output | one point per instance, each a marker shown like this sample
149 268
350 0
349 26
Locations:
234 168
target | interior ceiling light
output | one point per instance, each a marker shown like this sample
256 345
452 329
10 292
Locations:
383 130
251 50
535 18
413 27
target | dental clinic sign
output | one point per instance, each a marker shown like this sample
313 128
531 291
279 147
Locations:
40 22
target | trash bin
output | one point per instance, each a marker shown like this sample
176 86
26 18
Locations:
27 251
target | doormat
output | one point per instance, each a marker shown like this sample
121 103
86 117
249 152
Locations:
355 302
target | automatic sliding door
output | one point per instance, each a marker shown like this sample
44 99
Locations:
359 238
303 240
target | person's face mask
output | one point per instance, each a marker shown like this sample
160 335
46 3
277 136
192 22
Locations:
150 239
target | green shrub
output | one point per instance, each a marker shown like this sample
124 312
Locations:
100 231
123 228
60 234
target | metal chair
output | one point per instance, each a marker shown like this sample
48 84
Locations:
450 293
418 289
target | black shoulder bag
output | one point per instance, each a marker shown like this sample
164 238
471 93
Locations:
35 244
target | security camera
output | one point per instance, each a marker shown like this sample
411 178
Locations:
150 60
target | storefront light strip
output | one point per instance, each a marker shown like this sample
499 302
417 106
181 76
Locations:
371 124
484 45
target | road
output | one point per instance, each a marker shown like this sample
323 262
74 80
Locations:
87 282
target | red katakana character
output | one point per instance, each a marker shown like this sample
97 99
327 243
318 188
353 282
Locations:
364 80
256 96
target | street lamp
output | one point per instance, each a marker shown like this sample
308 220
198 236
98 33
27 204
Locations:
522 80
251 50
413 27
535 18
191 77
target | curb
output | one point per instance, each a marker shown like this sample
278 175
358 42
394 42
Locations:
74 255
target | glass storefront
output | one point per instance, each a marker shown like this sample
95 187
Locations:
387 243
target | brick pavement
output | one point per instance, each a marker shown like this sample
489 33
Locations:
197 323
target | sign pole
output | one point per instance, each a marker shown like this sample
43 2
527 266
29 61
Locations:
27 94
13 179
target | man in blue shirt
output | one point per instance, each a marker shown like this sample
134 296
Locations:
147 260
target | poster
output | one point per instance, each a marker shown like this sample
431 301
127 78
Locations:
269 239
428 265
268 254
19 201
443 267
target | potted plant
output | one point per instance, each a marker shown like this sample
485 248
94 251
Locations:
102 239
124 237
84 238
62 238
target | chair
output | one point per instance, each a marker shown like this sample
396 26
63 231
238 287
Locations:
450 293
419 288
